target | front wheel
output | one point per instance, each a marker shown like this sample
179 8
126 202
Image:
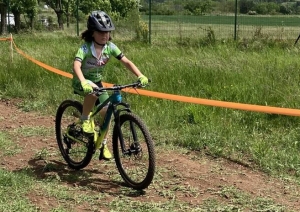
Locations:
133 150
75 147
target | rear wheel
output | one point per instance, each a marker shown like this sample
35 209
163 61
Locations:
76 148
136 161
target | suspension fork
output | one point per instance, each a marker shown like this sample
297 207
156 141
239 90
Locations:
132 129
117 122
121 138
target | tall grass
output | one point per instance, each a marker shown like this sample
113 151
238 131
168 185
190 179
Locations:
253 72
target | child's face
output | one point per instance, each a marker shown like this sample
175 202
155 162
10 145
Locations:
101 37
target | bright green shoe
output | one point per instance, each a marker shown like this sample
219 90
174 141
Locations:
105 153
96 135
87 126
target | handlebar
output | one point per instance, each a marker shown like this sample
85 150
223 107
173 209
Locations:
137 84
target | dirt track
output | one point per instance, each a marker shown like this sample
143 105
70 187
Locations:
191 176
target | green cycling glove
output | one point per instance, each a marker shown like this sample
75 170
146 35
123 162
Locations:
87 88
144 80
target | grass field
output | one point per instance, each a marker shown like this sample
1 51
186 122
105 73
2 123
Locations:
177 27
279 27
287 21
260 72
252 73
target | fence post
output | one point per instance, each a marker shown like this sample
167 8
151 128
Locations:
77 17
11 48
149 27
235 19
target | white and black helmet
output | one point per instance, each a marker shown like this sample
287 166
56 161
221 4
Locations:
100 21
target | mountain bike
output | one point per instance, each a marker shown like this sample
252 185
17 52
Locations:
133 148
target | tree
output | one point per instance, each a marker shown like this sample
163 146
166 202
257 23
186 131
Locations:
18 7
57 6
3 9
69 8
87 6
284 9
123 7
225 6
198 8
61 8
115 8
246 6
31 10
261 8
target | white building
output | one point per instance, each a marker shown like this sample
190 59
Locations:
10 20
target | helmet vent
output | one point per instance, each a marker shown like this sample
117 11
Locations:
100 21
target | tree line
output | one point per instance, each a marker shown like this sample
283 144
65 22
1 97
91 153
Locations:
67 10
64 10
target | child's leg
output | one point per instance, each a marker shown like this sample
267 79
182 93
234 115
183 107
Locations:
88 104
102 98
104 151
102 114
88 101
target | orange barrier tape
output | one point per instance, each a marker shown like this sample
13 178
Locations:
5 39
216 103
57 71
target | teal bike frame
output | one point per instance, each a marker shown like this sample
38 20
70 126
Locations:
131 139
115 98
112 103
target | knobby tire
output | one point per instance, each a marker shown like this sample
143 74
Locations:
141 175
68 112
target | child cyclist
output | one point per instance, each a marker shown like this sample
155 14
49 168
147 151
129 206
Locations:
89 64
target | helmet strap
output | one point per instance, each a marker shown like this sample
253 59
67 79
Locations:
99 43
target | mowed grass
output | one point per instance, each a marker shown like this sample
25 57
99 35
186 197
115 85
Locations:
256 72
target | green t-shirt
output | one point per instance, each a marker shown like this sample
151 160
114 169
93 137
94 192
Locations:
92 68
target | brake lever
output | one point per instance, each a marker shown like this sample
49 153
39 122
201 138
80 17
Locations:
98 91
139 85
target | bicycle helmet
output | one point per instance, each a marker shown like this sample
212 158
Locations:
100 21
